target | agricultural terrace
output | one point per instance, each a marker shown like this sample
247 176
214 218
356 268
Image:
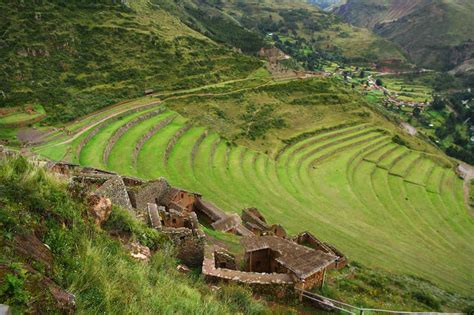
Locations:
410 87
381 203
21 116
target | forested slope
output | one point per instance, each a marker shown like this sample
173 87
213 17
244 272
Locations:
74 57
435 33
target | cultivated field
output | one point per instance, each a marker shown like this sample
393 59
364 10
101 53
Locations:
381 203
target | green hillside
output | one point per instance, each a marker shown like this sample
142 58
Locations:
89 262
327 4
75 57
319 161
312 28
434 33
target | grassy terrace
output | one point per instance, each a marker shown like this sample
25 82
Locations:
338 173
381 203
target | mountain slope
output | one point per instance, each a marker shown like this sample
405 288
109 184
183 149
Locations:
327 4
435 33
75 57
319 31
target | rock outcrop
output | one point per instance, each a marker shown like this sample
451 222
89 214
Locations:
99 207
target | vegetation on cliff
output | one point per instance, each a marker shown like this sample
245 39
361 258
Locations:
87 261
74 57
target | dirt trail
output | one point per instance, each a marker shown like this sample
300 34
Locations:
118 112
97 122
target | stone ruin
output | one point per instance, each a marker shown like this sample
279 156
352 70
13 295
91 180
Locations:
220 221
309 240
255 222
217 267
271 260
168 209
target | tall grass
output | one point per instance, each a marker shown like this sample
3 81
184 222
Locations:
91 264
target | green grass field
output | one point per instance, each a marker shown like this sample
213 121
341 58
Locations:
21 116
382 204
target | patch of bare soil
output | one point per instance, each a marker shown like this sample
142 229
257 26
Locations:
29 135
409 128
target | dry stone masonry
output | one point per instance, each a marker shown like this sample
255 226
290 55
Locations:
272 261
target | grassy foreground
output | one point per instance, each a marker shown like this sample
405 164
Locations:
88 262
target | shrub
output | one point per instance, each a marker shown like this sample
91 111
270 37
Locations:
427 299
121 220
240 299
12 290
398 140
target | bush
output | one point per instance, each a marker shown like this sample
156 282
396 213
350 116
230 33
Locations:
12 290
427 299
398 140
240 299
121 220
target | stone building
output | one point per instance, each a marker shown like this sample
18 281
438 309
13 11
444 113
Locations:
272 254
182 227
309 240
254 221
180 199
150 192
269 261
218 265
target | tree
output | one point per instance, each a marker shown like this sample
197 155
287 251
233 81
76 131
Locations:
416 111
459 139
438 103
441 132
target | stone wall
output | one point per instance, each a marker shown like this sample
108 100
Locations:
315 280
309 240
225 260
150 192
115 190
278 284
189 244
208 209
185 200
123 129
278 230
154 216
148 135
254 221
